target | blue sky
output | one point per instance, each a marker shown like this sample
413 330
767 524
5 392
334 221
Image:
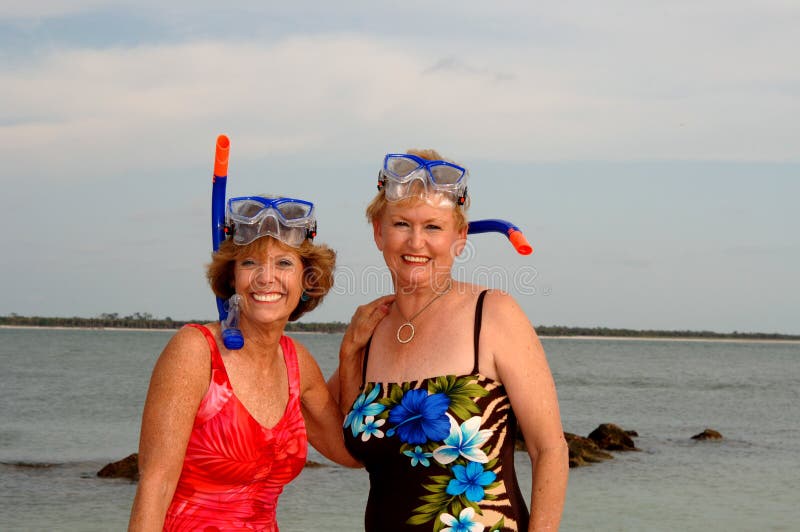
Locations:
648 150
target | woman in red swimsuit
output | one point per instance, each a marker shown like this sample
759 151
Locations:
448 377
224 430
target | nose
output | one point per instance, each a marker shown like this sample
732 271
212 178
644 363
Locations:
416 238
261 277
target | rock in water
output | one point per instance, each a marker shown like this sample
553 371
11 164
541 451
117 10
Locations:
708 434
128 467
583 451
612 438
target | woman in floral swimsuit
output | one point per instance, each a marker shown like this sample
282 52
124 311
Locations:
449 375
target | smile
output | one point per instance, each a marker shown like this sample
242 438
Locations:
416 259
267 298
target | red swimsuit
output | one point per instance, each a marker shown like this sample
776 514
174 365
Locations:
235 469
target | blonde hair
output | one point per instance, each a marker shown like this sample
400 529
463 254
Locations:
377 206
319 262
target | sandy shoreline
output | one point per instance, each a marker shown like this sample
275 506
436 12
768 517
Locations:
626 338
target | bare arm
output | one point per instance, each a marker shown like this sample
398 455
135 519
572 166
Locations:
346 380
178 383
522 367
321 412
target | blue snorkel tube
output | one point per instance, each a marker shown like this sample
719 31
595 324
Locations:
513 233
228 310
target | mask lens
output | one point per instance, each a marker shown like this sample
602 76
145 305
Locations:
395 190
245 233
294 210
294 236
246 208
400 166
445 174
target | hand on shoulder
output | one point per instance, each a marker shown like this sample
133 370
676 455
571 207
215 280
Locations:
363 323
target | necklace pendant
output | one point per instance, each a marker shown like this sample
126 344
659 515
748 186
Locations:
410 336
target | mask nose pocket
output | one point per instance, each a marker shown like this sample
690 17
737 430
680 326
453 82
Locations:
269 225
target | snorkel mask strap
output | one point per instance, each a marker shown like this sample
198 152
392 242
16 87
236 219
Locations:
462 198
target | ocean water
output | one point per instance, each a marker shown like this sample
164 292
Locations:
72 399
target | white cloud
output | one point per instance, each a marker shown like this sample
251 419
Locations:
94 111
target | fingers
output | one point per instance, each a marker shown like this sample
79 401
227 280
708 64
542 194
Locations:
366 318
376 309
381 307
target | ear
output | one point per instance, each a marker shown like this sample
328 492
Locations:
461 243
377 233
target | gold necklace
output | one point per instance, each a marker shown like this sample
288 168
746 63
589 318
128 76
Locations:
410 325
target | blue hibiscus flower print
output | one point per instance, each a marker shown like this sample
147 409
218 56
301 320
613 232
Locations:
418 456
470 479
420 417
362 408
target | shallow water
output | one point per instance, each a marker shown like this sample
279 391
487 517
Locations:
72 400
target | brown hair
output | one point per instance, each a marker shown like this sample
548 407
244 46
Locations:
377 206
318 263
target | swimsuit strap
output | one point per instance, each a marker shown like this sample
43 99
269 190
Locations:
364 363
216 357
292 365
477 331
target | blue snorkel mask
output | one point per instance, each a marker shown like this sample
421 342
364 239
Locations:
289 220
404 175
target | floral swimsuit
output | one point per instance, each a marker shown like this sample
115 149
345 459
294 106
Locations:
439 452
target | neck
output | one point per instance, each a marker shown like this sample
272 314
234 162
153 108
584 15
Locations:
420 290
263 337
411 301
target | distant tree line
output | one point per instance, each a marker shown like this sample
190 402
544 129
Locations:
546 330
136 320
146 320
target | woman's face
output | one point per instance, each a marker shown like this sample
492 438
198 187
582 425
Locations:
270 283
419 242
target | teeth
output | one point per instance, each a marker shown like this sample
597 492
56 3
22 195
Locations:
411 258
267 298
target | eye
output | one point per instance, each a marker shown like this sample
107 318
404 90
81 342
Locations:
247 263
433 227
400 224
285 263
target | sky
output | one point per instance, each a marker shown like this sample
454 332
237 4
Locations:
648 150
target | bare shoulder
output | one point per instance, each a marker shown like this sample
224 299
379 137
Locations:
500 309
310 374
186 354
507 334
